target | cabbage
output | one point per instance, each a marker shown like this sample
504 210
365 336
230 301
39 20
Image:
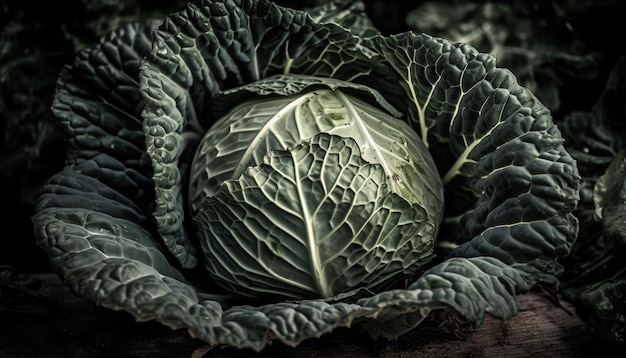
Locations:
252 172
312 194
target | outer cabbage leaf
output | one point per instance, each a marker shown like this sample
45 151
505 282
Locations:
94 217
108 247
501 156
97 102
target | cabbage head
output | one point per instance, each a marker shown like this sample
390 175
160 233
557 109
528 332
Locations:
312 194
251 172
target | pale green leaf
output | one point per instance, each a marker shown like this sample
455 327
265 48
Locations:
243 137
313 221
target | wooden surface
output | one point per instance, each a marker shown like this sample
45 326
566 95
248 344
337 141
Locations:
67 326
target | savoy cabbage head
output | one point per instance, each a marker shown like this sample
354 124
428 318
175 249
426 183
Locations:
252 172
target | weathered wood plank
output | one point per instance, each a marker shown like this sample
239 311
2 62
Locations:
78 328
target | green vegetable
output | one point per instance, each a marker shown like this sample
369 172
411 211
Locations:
325 213
248 171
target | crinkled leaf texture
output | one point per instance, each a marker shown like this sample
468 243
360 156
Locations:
307 106
314 221
328 221
112 221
